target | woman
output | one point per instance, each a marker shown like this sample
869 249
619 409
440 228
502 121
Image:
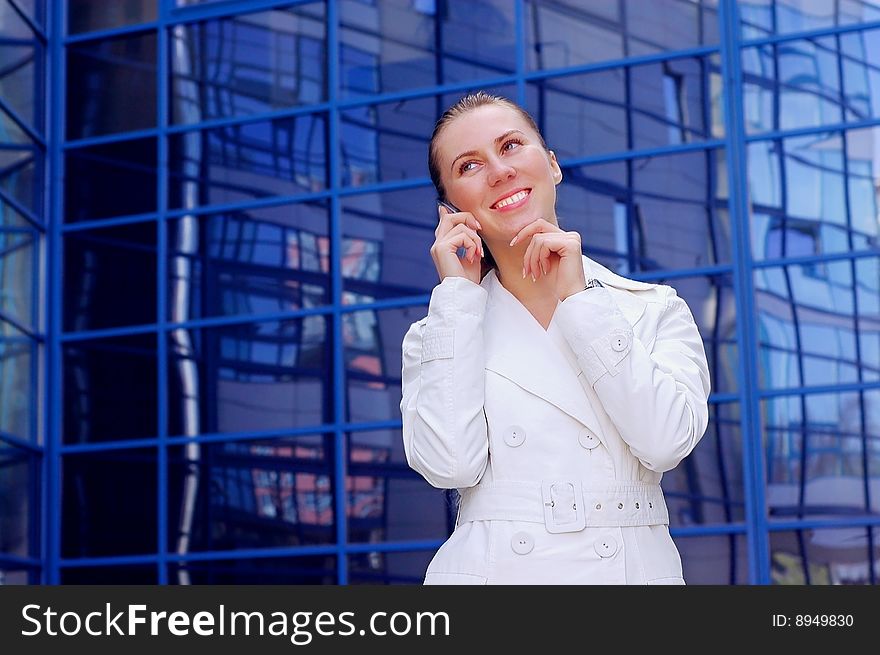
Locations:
551 392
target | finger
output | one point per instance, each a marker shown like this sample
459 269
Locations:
462 236
527 259
544 259
538 242
538 225
449 220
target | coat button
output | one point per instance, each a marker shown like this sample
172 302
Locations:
619 341
606 546
522 543
514 436
588 440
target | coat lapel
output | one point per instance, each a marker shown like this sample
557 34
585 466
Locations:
542 362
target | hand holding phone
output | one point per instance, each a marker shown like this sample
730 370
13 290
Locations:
457 249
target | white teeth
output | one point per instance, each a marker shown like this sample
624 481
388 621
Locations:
516 197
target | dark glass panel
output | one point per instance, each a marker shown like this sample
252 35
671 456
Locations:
111 85
392 568
830 556
110 277
112 179
271 375
19 502
714 560
240 162
265 493
308 570
109 389
391 46
388 501
91 15
108 503
248 63
253 261
822 455
142 574
371 339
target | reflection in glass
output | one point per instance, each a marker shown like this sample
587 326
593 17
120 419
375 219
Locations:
12 25
716 559
272 375
112 179
108 503
670 211
21 177
88 15
17 353
309 570
830 556
808 319
20 89
822 452
371 340
387 500
386 241
112 85
13 577
252 494
393 568
760 18
19 480
391 46
143 574
110 277
19 252
255 261
861 73
564 33
867 279
248 64
109 389
815 194
240 162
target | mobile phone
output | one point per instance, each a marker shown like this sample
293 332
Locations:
448 205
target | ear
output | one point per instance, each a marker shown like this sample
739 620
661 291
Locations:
555 168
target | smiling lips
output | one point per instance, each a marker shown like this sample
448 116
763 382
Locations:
512 199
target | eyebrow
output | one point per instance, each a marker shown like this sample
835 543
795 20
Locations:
498 140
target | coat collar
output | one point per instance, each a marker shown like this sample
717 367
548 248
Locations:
541 361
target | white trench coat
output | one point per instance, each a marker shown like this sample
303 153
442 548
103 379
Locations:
556 439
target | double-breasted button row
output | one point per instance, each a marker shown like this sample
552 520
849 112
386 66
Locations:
523 543
514 436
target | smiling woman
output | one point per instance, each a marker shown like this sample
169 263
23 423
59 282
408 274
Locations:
520 383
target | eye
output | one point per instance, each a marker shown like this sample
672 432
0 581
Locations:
511 144
466 166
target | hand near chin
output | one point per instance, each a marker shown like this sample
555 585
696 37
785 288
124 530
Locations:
553 250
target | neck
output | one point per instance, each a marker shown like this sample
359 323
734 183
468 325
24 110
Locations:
509 263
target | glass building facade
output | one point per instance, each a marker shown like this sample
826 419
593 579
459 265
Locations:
214 229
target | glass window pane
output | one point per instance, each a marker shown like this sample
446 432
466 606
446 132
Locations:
112 179
141 574
391 46
292 570
861 73
110 389
570 33
12 25
110 277
808 322
17 353
21 177
108 503
266 493
393 568
248 64
254 261
673 215
863 187
111 85
714 560
19 252
15 577
21 88
386 242
273 375
372 339
240 162
388 501
867 281
761 18
20 506
829 556
88 15
817 448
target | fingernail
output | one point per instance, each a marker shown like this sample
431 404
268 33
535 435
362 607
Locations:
533 279
524 272
514 240
542 269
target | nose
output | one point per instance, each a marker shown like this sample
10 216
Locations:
499 171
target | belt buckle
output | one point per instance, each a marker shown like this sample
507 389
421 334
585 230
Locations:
563 503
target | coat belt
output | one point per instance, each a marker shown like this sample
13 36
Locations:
565 505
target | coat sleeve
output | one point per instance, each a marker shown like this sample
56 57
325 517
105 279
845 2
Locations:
445 436
657 401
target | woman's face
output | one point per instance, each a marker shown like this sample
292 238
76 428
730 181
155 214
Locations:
493 165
